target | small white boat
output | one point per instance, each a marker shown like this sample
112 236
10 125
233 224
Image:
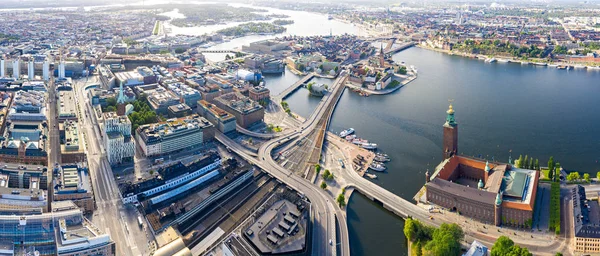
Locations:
372 176
377 167
491 60
503 60
524 63
552 65
381 159
369 146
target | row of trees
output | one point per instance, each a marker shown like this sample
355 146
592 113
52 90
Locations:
575 177
286 107
444 240
553 169
527 163
554 222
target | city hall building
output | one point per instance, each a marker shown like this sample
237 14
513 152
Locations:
494 193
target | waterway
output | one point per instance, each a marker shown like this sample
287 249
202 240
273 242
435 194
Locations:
500 107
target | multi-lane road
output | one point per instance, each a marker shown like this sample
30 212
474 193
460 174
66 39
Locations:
111 216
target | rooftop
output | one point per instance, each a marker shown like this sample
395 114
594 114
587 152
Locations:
172 127
239 102
66 104
216 111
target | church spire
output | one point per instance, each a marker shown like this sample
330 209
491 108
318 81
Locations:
121 98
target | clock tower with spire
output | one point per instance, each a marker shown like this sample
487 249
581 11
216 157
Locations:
450 145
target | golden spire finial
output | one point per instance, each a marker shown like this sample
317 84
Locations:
450 109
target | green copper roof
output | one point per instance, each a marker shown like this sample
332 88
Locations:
498 199
480 184
487 166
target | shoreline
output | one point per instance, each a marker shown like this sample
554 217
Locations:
502 59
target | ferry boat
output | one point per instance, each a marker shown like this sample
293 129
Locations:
553 65
347 132
359 141
580 66
378 167
503 60
369 146
540 64
372 176
524 63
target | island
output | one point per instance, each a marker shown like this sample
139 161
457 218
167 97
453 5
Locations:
283 22
252 28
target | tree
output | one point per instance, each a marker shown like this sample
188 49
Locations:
502 246
598 175
505 246
326 174
250 141
525 162
445 240
415 231
586 177
317 168
323 185
573 176
341 200
530 165
520 161
181 50
402 70
556 171
551 168
537 164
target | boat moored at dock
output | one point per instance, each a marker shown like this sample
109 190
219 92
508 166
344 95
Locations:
378 167
347 132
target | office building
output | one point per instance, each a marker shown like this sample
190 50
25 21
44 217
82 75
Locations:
71 148
246 111
179 110
117 138
187 94
66 105
23 188
174 135
72 182
259 93
221 119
